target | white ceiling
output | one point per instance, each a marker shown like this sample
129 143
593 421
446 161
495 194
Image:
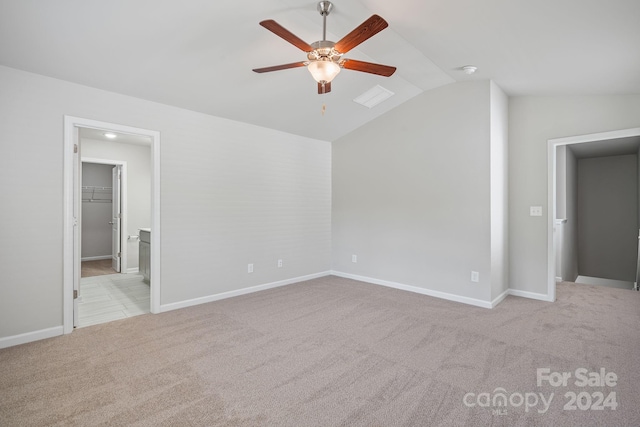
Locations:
123 138
605 148
198 54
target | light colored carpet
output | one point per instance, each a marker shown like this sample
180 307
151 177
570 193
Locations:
331 352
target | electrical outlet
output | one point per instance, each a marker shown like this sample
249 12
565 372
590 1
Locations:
475 276
279 263
354 258
250 268
535 210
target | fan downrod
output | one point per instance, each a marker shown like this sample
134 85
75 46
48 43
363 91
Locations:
325 7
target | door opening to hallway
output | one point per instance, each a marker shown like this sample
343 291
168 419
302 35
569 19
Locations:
116 195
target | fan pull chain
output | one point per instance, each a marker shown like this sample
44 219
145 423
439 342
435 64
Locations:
324 108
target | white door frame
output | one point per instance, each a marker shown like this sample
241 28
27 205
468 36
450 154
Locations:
123 196
551 190
71 270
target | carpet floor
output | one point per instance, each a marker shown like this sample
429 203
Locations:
337 352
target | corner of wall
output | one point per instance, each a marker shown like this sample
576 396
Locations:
499 111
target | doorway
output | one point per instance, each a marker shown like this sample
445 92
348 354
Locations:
74 143
560 227
103 217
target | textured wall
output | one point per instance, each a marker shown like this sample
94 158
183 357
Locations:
411 194
532 122
231 194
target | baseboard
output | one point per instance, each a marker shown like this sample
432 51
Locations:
531 295
415 289
499 298
95 258
133 270
558 279
31 336
244 291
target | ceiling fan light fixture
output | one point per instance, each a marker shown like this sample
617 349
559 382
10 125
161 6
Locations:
323 71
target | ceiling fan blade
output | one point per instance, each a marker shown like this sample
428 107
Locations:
280 31
324 88
368 67
280 67
366 30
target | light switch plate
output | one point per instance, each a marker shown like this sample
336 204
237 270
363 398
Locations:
535 210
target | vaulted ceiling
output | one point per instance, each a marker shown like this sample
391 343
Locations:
198 54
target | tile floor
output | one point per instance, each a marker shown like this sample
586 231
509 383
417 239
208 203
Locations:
111 297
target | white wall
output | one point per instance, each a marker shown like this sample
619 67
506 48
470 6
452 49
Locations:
231 193
608 217
412 193
499 104
532 122
138 158
96 231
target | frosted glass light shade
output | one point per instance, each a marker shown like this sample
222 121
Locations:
323 71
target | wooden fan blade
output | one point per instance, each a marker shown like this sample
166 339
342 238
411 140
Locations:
280 31
324 88
366 30
368 67
280 67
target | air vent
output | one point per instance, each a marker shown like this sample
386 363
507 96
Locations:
374 96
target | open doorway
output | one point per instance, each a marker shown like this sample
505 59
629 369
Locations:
116 196
103 217
128 202
594 213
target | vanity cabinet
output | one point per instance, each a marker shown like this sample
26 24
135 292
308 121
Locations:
144 254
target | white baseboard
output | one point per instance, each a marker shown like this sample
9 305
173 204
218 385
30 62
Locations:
30 336
531 295
95 258
133 270
499 298
230 294
423 291
558 279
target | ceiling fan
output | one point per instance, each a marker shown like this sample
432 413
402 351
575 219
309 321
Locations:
324 57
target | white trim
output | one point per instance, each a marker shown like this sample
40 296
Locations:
530 295
244 291
133 270
423 291
95 258
558 279
499 298
70 125
552 144
124 227
31 336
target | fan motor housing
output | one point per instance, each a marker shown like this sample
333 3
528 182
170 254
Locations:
323 49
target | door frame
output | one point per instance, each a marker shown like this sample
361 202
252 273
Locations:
71 197
552 144
123 204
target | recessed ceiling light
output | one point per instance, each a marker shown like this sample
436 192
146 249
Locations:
110 135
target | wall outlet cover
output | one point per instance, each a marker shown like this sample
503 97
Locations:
535 210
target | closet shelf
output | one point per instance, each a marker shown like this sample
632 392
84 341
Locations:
95 194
